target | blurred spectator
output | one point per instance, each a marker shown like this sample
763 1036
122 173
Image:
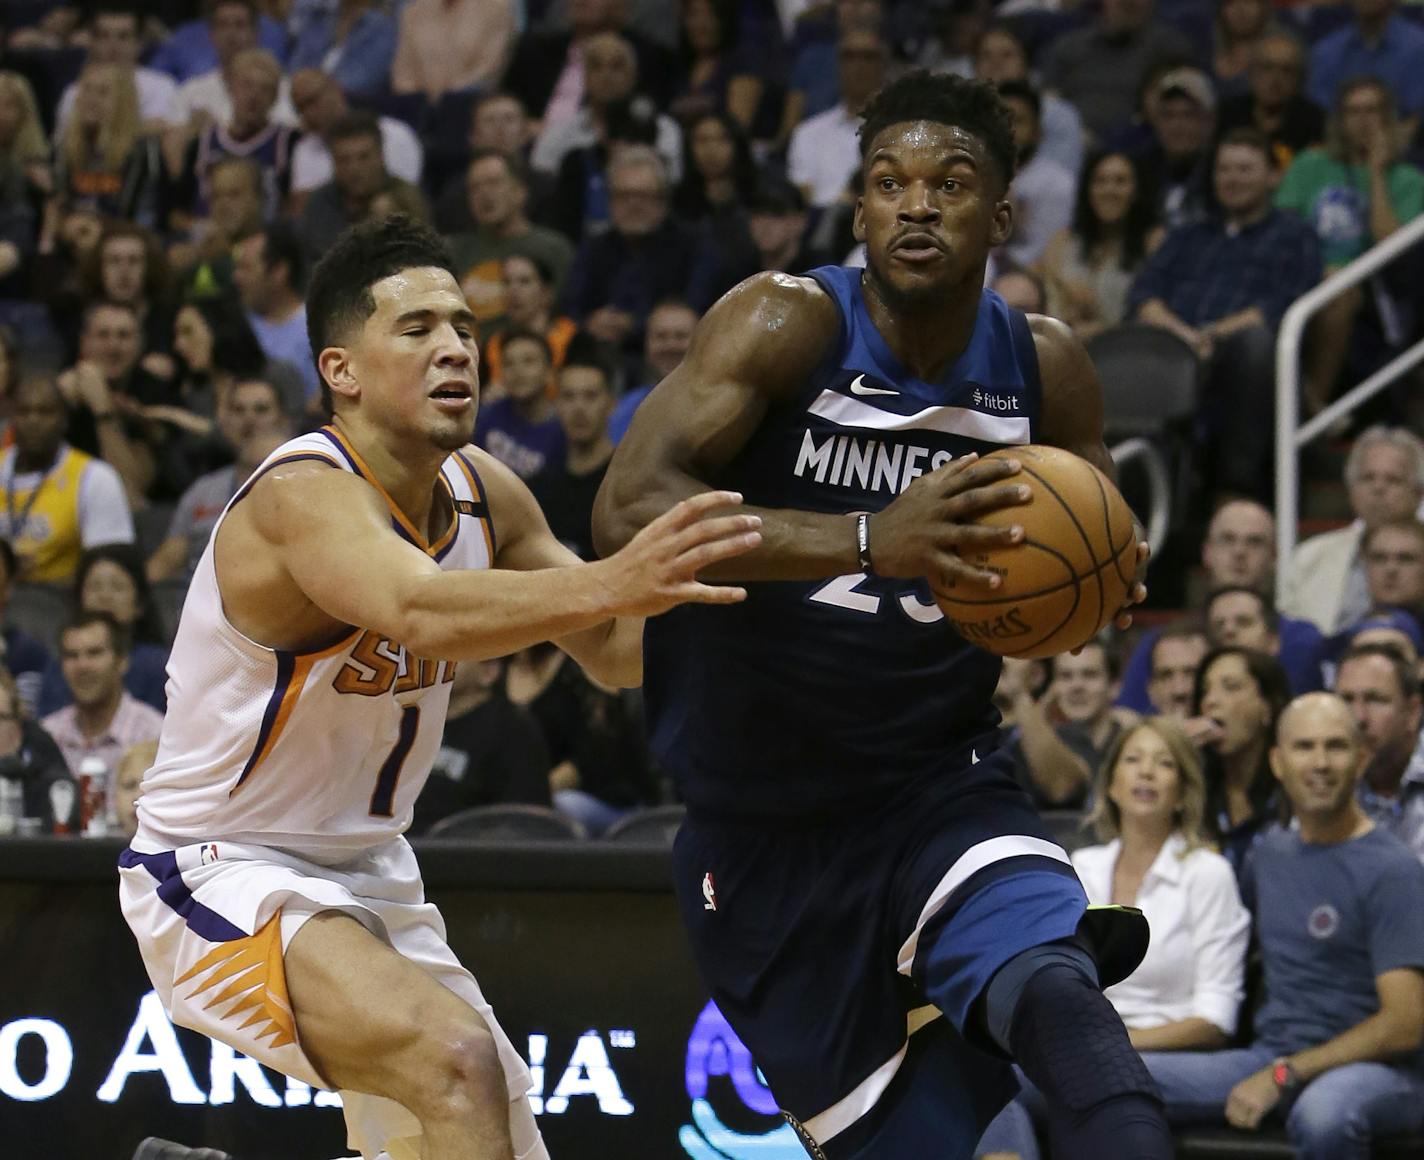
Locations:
22 134
1060 739
199 46
269 270
353 42
548 71
1354 193
715 73
322 106
21 655
1382 690
1395 628
1239 27
665 345
492 751
528 285
128 267
104 160
1151 812
601 769
359 175
1221 286
1042 190
521 429
1239 694
1100 69
1180 113
250 132
252 423
1002 56
110 582
1021 289
103 388
1239 552
116 38
207 96
815 82
1394 566
58 501
1377 43
128 784
611 85
1088 268
1276 104
497 121
777 221
498 197
105 720
1185 995
646 256
1245 618
17 228
29 755
449 46
234 211
1384 479
719 174
1173 658
1337 905
567 487
825 149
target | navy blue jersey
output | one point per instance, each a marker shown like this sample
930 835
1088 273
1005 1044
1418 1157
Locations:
819 697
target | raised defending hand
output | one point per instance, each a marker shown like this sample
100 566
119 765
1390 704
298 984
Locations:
657 569
926 531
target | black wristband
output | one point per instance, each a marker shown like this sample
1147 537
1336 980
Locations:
862 542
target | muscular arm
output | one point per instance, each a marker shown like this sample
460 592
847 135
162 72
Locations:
753 351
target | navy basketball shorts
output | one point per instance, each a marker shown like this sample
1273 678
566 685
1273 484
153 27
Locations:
813 940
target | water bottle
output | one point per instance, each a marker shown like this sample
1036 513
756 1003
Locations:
12 805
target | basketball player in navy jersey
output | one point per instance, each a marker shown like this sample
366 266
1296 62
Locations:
871 898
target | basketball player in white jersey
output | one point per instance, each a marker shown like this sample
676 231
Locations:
276 905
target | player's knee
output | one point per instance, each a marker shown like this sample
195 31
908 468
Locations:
460 1073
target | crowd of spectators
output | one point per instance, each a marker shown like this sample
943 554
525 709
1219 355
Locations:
603 170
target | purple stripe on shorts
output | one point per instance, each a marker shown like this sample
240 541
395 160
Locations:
174 891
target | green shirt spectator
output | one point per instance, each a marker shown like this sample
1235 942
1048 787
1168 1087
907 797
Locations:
1334 197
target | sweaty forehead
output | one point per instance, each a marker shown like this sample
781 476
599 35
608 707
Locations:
417 288
931 141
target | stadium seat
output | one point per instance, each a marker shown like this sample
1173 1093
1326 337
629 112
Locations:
654 826
1150 379
1228 1144
508 823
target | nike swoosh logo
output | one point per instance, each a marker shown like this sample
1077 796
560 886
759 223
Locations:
858 387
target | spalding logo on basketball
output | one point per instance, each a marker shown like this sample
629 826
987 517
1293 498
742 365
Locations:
1069 576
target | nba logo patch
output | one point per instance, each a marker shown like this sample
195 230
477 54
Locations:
810 1144
709 892
208 853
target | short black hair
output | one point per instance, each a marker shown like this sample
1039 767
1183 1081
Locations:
1025 92
512 165
589 357
973 106
523 334
1269 614
119 639
1404 673
357 123
280 243
339 297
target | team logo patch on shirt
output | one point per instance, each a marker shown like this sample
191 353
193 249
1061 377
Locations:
1324 921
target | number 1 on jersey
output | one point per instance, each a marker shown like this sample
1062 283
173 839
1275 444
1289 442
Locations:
384 795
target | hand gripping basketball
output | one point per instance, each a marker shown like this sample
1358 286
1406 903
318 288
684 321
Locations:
657 569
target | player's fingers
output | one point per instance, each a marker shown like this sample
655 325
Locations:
950 569
968 504
694 507
979 474
695 593
700 556
968 537
714 528
1123 621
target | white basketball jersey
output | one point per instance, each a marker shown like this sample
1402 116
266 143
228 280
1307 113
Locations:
321 752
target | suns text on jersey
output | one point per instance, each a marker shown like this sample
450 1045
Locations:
377 665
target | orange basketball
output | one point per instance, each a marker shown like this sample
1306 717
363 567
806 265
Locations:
1070 574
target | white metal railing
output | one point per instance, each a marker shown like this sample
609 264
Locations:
1291 434
1158 485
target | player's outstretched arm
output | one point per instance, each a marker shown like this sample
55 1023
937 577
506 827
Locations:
754 350
331 534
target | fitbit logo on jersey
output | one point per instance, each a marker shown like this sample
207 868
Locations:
990 402
865 464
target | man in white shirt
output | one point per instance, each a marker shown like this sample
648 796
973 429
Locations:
269 273
1043 191
1325 578
825 149
105 720
114 39
320 104
232 25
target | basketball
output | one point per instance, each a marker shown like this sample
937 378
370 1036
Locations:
1069 576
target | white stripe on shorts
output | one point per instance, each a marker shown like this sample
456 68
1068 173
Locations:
970 863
